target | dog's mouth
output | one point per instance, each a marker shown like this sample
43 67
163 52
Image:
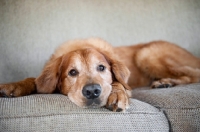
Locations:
93 103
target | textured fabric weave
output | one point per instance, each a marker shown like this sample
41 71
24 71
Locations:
181 105
56 113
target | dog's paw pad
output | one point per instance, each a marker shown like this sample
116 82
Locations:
163 83
3 94
164 86
119 110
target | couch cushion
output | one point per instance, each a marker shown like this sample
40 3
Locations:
56 113
181 105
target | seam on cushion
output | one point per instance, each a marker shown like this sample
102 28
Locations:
169 123
24 116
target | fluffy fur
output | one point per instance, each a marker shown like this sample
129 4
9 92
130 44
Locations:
75 65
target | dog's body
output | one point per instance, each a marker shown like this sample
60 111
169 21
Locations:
159 62
92 73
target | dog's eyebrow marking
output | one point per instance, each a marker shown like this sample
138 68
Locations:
75 62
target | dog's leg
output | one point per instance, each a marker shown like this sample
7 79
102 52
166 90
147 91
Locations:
21 88
170 82
181 75
118 99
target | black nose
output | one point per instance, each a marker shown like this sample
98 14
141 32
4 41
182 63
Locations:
91 91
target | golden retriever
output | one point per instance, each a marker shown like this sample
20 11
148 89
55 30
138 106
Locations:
94 74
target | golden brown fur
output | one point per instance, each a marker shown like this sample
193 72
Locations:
158 63
92 73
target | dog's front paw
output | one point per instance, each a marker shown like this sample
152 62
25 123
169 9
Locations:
118 100
17 89
8 90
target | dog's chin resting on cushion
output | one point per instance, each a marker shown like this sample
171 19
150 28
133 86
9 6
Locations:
93 74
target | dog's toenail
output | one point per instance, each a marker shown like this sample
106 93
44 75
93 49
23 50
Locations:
167 85
161 86
11 95
110 107
119 110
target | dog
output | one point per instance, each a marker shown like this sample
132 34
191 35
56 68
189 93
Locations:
93 74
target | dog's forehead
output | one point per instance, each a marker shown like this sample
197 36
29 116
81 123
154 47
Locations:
92 55
88 55
83 57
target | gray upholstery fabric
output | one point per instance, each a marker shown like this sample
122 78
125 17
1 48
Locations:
56 113
181 105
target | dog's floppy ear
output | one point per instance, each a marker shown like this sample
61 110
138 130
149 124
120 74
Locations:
120 71
48 79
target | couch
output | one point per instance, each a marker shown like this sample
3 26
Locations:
169 109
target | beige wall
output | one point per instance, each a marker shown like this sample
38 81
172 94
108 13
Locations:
31 29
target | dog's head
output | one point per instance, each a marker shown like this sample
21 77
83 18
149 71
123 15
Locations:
84 72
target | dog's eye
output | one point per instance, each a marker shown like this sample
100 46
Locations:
73 72
101 68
